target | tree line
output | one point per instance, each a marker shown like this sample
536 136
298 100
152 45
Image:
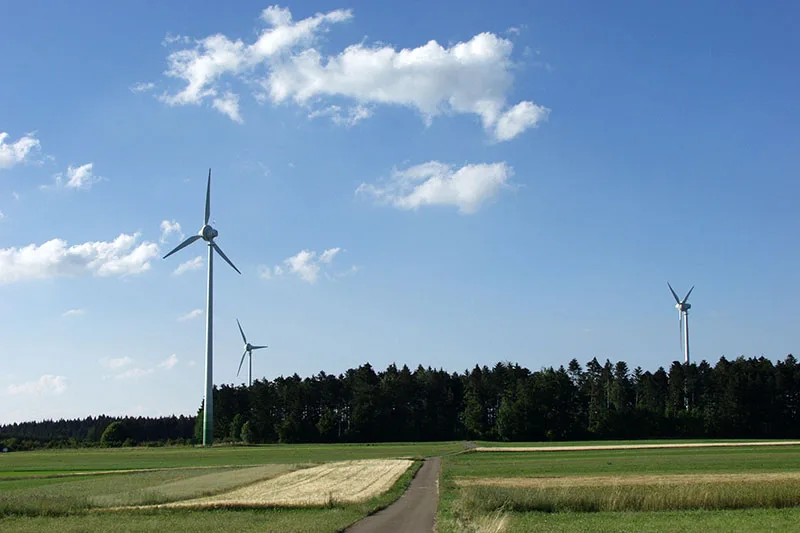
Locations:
740 398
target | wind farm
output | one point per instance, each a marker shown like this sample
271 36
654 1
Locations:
438 239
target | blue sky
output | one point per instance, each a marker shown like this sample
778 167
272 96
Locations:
415 184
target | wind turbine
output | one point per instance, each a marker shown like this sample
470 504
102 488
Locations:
248 350
208 234
683 320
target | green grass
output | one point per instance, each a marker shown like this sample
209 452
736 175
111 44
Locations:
565 508
750 520
708 496
65 495
546 444
620 462
75 503
264 521
56 462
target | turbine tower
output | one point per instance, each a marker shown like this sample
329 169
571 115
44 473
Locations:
208 234
683 320
248 350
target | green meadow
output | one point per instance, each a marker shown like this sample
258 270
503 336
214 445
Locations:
687 489
77 490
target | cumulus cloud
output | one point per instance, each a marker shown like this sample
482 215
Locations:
168 227
306 264
142 87
74 312
116 362
169 362
14 153
188 266
120 257
228 104
81 177
470 77
45 385
202 65
435 183
194 313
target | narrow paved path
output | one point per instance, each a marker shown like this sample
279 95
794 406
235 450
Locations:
414 512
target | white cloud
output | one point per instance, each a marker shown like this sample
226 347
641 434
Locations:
12 154
353 116
81 177
74 312
470 77
191 314
142 87
328 255
120 257
15 195
2 215
45 385
188 266
435 183
138 372
228 105
169 362
116 362
168 228
519 118
200 67
305 264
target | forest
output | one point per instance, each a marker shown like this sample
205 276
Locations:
740 398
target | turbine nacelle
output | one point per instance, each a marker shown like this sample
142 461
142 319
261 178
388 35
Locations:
208 233
683 307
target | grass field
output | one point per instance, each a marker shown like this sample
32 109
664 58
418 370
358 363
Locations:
69 490
627 490
59 462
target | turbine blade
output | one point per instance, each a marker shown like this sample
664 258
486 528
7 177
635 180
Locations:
184 244
677 300
241 331
225 257
208 198
240 363
259 347
687 295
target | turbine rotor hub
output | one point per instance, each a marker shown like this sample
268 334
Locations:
208 233
248 347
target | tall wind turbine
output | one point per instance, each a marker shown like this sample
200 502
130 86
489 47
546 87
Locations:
248 350
208 234
683 319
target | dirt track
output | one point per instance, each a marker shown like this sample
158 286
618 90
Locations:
414 512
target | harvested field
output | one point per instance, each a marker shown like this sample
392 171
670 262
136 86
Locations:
342 482
192 487
610 481
629 446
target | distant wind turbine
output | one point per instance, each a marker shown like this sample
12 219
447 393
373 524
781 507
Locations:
248 350
208 234
683 320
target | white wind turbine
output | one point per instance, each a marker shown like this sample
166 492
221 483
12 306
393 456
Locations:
208 234
683 320
248 350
